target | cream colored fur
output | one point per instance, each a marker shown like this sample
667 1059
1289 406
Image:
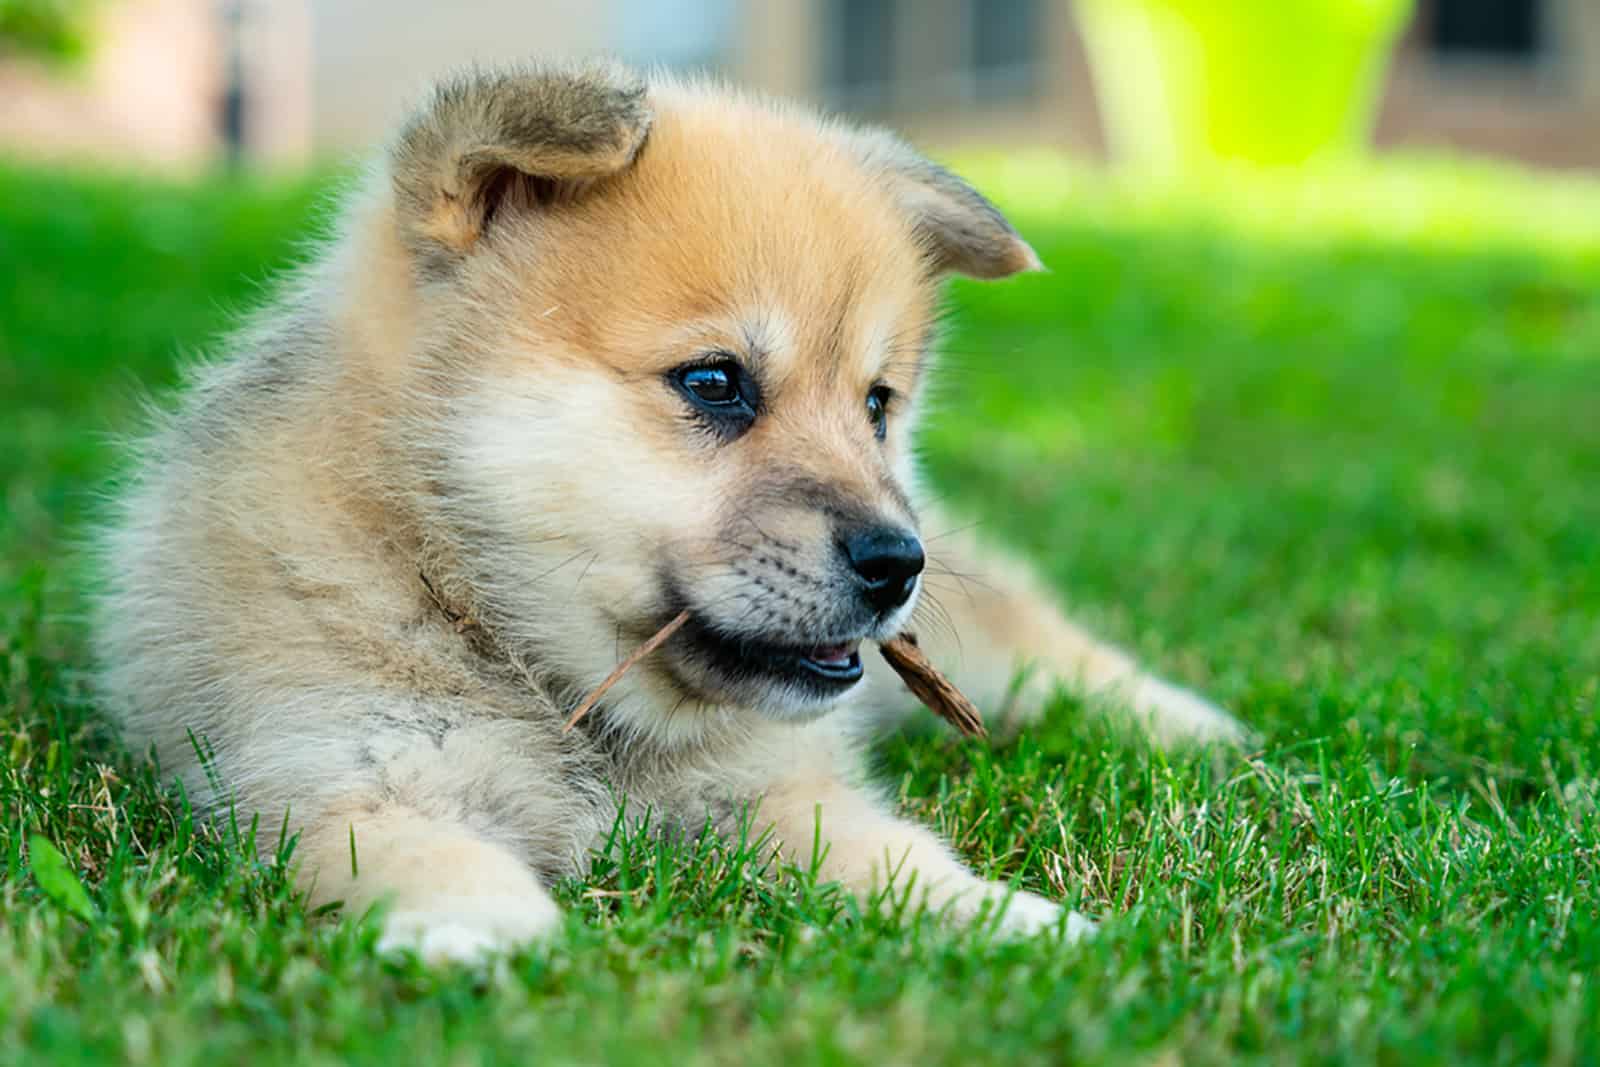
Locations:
433 492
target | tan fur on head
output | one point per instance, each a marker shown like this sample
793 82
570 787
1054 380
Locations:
516 138
439 488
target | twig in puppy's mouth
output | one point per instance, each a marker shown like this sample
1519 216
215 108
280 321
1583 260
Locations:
656 641
909 662
929 686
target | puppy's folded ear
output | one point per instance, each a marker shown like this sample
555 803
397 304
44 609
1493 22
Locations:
491 141
960 229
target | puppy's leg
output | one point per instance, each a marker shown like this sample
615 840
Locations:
446 814
1002 625
866 848
451 895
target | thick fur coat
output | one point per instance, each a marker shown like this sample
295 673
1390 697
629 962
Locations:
583 352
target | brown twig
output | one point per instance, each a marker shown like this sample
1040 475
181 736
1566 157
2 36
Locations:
655 642
929 686
909 662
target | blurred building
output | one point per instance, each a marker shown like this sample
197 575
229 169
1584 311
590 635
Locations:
1518 78
178 81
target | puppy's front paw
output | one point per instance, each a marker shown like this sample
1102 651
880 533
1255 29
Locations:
1028 915
1177 714
467 930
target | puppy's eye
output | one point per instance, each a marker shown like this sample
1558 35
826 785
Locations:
716 385
878 409
721 391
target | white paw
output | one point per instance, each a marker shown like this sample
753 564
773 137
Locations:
1028 915
1174 713
467 930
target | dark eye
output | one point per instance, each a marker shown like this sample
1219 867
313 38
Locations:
721 391
878 409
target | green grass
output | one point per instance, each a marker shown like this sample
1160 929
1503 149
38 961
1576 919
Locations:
1332 456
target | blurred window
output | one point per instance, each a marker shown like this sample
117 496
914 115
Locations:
1005 45
1506 28
860 51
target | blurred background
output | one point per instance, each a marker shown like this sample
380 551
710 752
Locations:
1303 412
278 83
1304 404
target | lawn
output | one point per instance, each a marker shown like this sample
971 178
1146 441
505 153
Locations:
1329 453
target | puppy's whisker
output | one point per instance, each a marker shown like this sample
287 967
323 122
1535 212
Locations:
963 577
930 614
593 558
933 584
952 532
564 563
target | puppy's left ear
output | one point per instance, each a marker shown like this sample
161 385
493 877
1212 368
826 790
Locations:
959 228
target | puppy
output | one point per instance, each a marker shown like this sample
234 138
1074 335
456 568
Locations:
585 351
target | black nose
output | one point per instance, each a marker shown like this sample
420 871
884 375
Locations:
887 560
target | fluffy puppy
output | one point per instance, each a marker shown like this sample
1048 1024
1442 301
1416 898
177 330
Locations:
585 351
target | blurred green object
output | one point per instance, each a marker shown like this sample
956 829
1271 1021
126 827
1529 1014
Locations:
53 30
1183 83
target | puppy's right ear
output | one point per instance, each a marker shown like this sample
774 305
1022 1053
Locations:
959 229
493 141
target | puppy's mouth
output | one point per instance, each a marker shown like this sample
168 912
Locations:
821 669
